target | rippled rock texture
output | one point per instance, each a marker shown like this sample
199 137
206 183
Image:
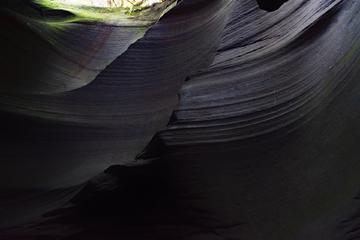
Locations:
223 121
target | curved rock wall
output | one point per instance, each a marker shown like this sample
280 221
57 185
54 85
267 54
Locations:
69 135
261 142
263 77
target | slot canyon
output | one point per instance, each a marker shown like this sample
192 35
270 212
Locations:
180 120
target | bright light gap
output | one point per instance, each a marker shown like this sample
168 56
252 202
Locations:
113 3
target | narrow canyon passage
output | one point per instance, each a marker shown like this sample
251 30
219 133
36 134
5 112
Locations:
190 119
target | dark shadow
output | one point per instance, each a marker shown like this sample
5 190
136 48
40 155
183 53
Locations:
123 191
156 147
270 5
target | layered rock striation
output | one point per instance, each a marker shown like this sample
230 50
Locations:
244 124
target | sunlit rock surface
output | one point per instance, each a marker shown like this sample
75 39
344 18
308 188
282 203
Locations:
113 3
250 120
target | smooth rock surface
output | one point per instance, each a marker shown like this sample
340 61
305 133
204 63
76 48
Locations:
260 142
55 140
